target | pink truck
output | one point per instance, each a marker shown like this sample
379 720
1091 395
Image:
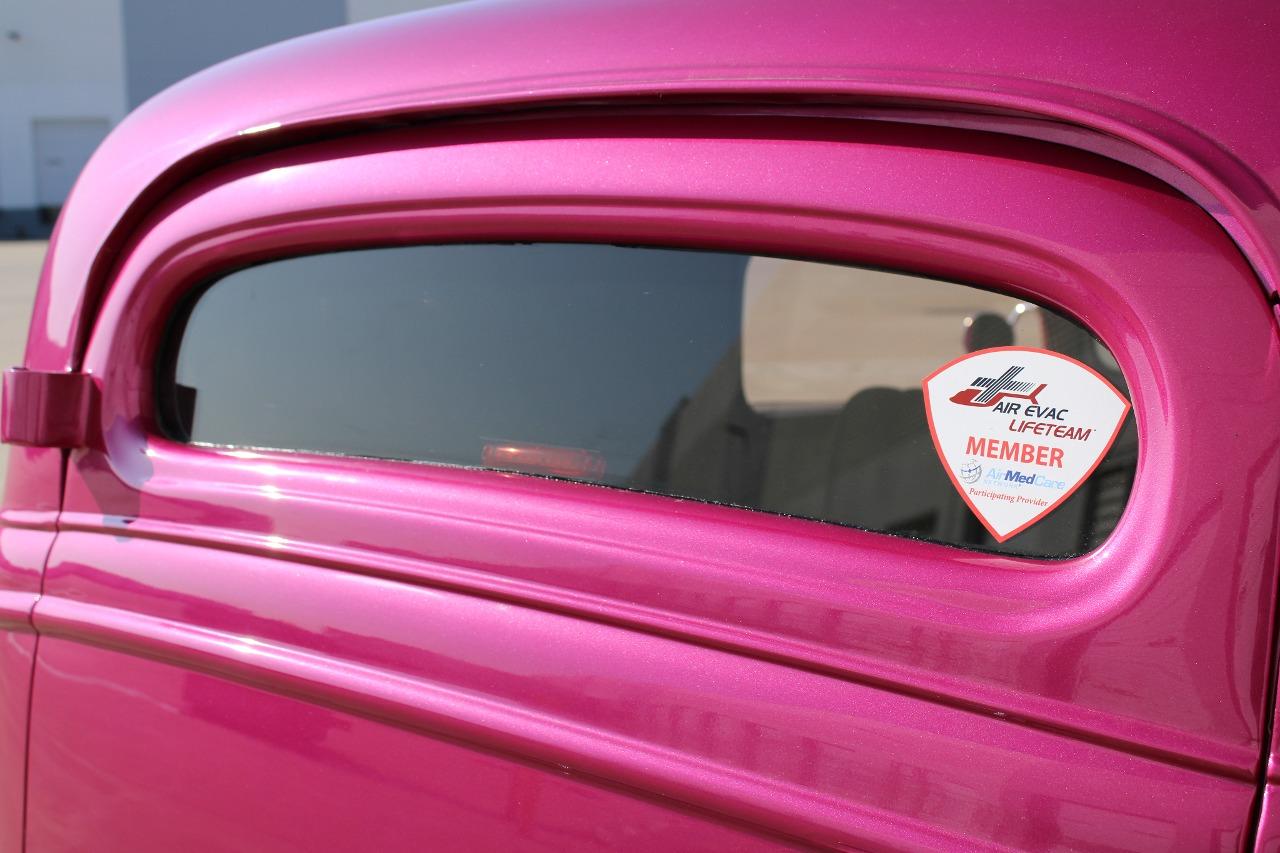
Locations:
654 425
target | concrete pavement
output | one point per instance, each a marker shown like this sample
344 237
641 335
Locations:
19 271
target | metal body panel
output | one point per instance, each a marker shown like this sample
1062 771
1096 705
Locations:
387 678
46 409
23 552
821 684
1267 839
267 777
32 493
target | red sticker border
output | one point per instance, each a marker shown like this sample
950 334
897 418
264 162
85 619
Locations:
942 459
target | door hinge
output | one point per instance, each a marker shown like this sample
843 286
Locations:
46 409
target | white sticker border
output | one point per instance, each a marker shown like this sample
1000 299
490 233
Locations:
942 460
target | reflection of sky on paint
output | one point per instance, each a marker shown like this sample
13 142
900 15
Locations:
428 352
11 553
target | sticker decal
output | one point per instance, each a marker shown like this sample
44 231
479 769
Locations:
1019 429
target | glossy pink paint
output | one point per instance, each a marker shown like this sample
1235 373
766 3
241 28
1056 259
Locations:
266 780
244 648
459 604
822 760
46 409
1268 837
23 551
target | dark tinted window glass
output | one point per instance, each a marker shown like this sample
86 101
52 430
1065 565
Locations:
781 385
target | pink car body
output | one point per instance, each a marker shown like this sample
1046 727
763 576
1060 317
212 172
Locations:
212 649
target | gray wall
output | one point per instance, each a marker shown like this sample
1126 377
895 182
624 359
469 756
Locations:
167 41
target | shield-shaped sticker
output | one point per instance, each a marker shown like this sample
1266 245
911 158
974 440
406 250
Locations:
1019 429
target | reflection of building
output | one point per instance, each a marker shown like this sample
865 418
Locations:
868 463
712 445
71 69
799 421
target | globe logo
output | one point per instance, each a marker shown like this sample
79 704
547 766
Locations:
970 471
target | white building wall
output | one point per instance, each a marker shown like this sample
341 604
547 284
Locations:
65 69
364 10
59 60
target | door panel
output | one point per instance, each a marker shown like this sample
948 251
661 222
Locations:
259 771
822 683
26 535
380 671
22 555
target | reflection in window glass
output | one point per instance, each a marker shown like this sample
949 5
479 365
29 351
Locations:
814 335
780 385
